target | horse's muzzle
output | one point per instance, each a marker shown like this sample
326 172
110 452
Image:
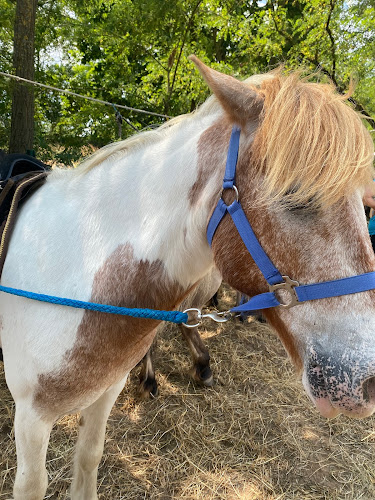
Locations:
341 382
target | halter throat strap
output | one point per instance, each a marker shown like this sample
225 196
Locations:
296 293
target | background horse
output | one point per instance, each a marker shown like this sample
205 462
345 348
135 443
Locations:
128 228
201 370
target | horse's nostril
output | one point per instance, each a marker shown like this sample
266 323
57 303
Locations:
368 388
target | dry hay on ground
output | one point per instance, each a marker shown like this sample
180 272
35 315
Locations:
254 436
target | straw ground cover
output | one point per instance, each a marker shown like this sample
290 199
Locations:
254 436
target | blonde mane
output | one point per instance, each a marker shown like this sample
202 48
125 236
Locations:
311 147
147 137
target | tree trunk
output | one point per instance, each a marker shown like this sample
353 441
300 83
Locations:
22 125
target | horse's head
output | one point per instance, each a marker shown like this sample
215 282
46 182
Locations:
304 160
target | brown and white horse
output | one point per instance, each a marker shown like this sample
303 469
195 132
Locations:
128 228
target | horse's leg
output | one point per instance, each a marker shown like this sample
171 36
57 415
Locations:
90 443
148 385
241 299
214 301
201 369
32 437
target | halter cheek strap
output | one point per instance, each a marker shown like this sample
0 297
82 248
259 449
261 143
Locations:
296 293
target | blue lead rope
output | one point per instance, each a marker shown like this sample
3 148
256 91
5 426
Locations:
300 293
171 316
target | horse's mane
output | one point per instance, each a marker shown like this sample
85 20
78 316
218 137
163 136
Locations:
146 137
209 107
311 147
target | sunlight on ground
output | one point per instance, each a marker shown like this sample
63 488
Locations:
208 334
68 422
166 386
220 484
309 434
369 437
132 410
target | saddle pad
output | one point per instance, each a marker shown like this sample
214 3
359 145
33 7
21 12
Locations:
19 176
16 164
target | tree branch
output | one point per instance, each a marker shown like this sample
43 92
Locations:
183 44
333 46
357 105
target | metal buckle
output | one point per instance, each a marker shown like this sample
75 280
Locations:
218 317
289 286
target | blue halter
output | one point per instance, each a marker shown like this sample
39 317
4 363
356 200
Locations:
296 293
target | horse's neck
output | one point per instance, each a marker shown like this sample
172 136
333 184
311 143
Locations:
144 200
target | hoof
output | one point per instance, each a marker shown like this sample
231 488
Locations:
148 389
203 375
208 382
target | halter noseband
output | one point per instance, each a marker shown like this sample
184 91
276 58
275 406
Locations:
297 293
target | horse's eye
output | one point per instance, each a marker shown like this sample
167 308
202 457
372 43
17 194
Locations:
293 207
307 207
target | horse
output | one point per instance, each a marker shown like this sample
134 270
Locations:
201 371
128 228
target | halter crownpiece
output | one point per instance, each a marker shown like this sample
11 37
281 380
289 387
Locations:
295 292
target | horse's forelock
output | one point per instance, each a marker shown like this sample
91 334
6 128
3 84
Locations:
311 146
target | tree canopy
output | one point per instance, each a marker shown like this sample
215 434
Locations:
134 53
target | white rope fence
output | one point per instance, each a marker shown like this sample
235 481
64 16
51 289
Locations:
107 103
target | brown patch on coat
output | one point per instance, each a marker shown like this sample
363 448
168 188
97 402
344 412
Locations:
212 148
108 346
239 270
285 336
231 256
212 155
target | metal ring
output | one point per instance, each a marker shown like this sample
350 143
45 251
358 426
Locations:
199 315
234 188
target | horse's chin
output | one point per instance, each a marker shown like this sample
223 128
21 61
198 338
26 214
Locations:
327 410
325 407
322 403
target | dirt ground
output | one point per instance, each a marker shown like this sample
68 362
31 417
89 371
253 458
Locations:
253 436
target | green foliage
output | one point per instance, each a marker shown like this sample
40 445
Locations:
7 12
134 52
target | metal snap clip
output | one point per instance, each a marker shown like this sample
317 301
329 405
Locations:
218 317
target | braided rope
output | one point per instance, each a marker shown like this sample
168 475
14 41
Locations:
170 316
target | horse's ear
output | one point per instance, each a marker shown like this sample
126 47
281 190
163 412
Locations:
240 102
